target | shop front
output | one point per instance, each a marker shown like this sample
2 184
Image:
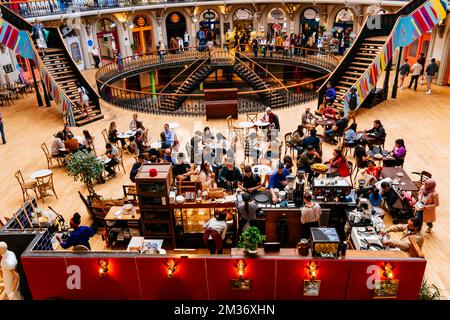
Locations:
107 38
309 22
175 29
242 26
209 27
421 45
142 35
276 23
343 34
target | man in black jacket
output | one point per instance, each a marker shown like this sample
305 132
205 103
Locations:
378 133
136 166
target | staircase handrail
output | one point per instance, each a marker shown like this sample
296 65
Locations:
195 70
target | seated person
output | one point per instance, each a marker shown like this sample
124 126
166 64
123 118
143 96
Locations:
297 139
133 123
66 131
288 163
399 152
168 158
206 176
113 153
308 119
411 230
310 216
312 140
361 155
215 233
71 144
278 180
229 177
249 182
182 171
79 236
329 112
113 134
389 195
373 170
154 159
377 132
136 166
164 144
338 128
351 138
58 148
247 212
376 201
339 161
308 158
141 145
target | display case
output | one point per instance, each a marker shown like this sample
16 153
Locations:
153 197
325 242
190 217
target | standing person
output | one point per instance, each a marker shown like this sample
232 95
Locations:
431 71
263 44
247 212
169 135
249 182
96 56
8 266
83 100
215 233
271 45
415 74
352 104
330 94
186 40
286 46
427 202
421 61
79 236
278 180
229 177
255 47
119 60
410 230
40 35
310 216
160 49
2 129
134 122
403 72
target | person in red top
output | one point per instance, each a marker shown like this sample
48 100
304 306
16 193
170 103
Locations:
329 111
373 170
340 162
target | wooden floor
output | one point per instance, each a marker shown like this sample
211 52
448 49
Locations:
422 120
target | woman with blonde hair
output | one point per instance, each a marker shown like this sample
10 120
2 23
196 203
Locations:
427 202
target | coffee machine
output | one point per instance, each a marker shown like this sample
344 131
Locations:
290 187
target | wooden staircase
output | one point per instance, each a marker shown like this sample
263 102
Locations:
369 49
273 99
56 62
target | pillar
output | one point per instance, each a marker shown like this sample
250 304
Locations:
36 86
399 61
152 83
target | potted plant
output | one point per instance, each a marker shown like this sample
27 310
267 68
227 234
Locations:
429 291
250 239
87 168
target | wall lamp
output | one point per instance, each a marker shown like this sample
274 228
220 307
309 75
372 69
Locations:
240 267
170 268
312 270
387 271
103 267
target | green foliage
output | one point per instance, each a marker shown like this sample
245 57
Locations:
250 238
429 291
85 167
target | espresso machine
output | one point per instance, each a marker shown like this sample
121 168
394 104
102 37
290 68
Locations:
290 187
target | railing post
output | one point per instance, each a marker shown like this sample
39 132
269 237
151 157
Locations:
47 100
395 86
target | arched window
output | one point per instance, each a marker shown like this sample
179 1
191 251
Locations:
309 22
243 14
276 22
175 26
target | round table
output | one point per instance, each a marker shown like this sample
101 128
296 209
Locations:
262 169
325 122
331 170
173 125
246 125
105 160
124 136
156 145
41 173
80 139
260 123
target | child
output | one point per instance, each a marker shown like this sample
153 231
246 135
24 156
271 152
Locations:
373 170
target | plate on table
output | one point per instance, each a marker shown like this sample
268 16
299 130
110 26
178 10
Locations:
261 198
221 200
399 174
378 156
212 200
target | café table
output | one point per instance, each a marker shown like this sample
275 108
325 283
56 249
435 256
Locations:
325 123
261 124
156 145
403 182
80 139
173 125
105 160
40 173
331 170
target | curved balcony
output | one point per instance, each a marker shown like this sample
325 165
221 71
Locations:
64 9
193 103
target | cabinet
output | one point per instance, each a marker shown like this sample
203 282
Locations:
153 199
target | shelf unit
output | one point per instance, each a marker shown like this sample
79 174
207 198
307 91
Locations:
153 199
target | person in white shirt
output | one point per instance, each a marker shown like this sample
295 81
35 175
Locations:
113 153
310 216
133 123
263 44
58 147
415 75
215 232
96 55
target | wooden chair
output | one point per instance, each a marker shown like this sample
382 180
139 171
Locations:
45 183
414 249
49 156
233 132
352 169
3 221
120 163
105 136
130 193
25 186
423 176
252 116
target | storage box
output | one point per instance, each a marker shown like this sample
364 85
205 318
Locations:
325 242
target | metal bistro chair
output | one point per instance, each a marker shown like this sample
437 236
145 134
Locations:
423 176
45 183
49 156
25 186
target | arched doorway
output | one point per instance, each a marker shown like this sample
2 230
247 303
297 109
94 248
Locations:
142 34
108 38
209 21
175 26
343 30
309 22
243 21
73 42
344 19
276 22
